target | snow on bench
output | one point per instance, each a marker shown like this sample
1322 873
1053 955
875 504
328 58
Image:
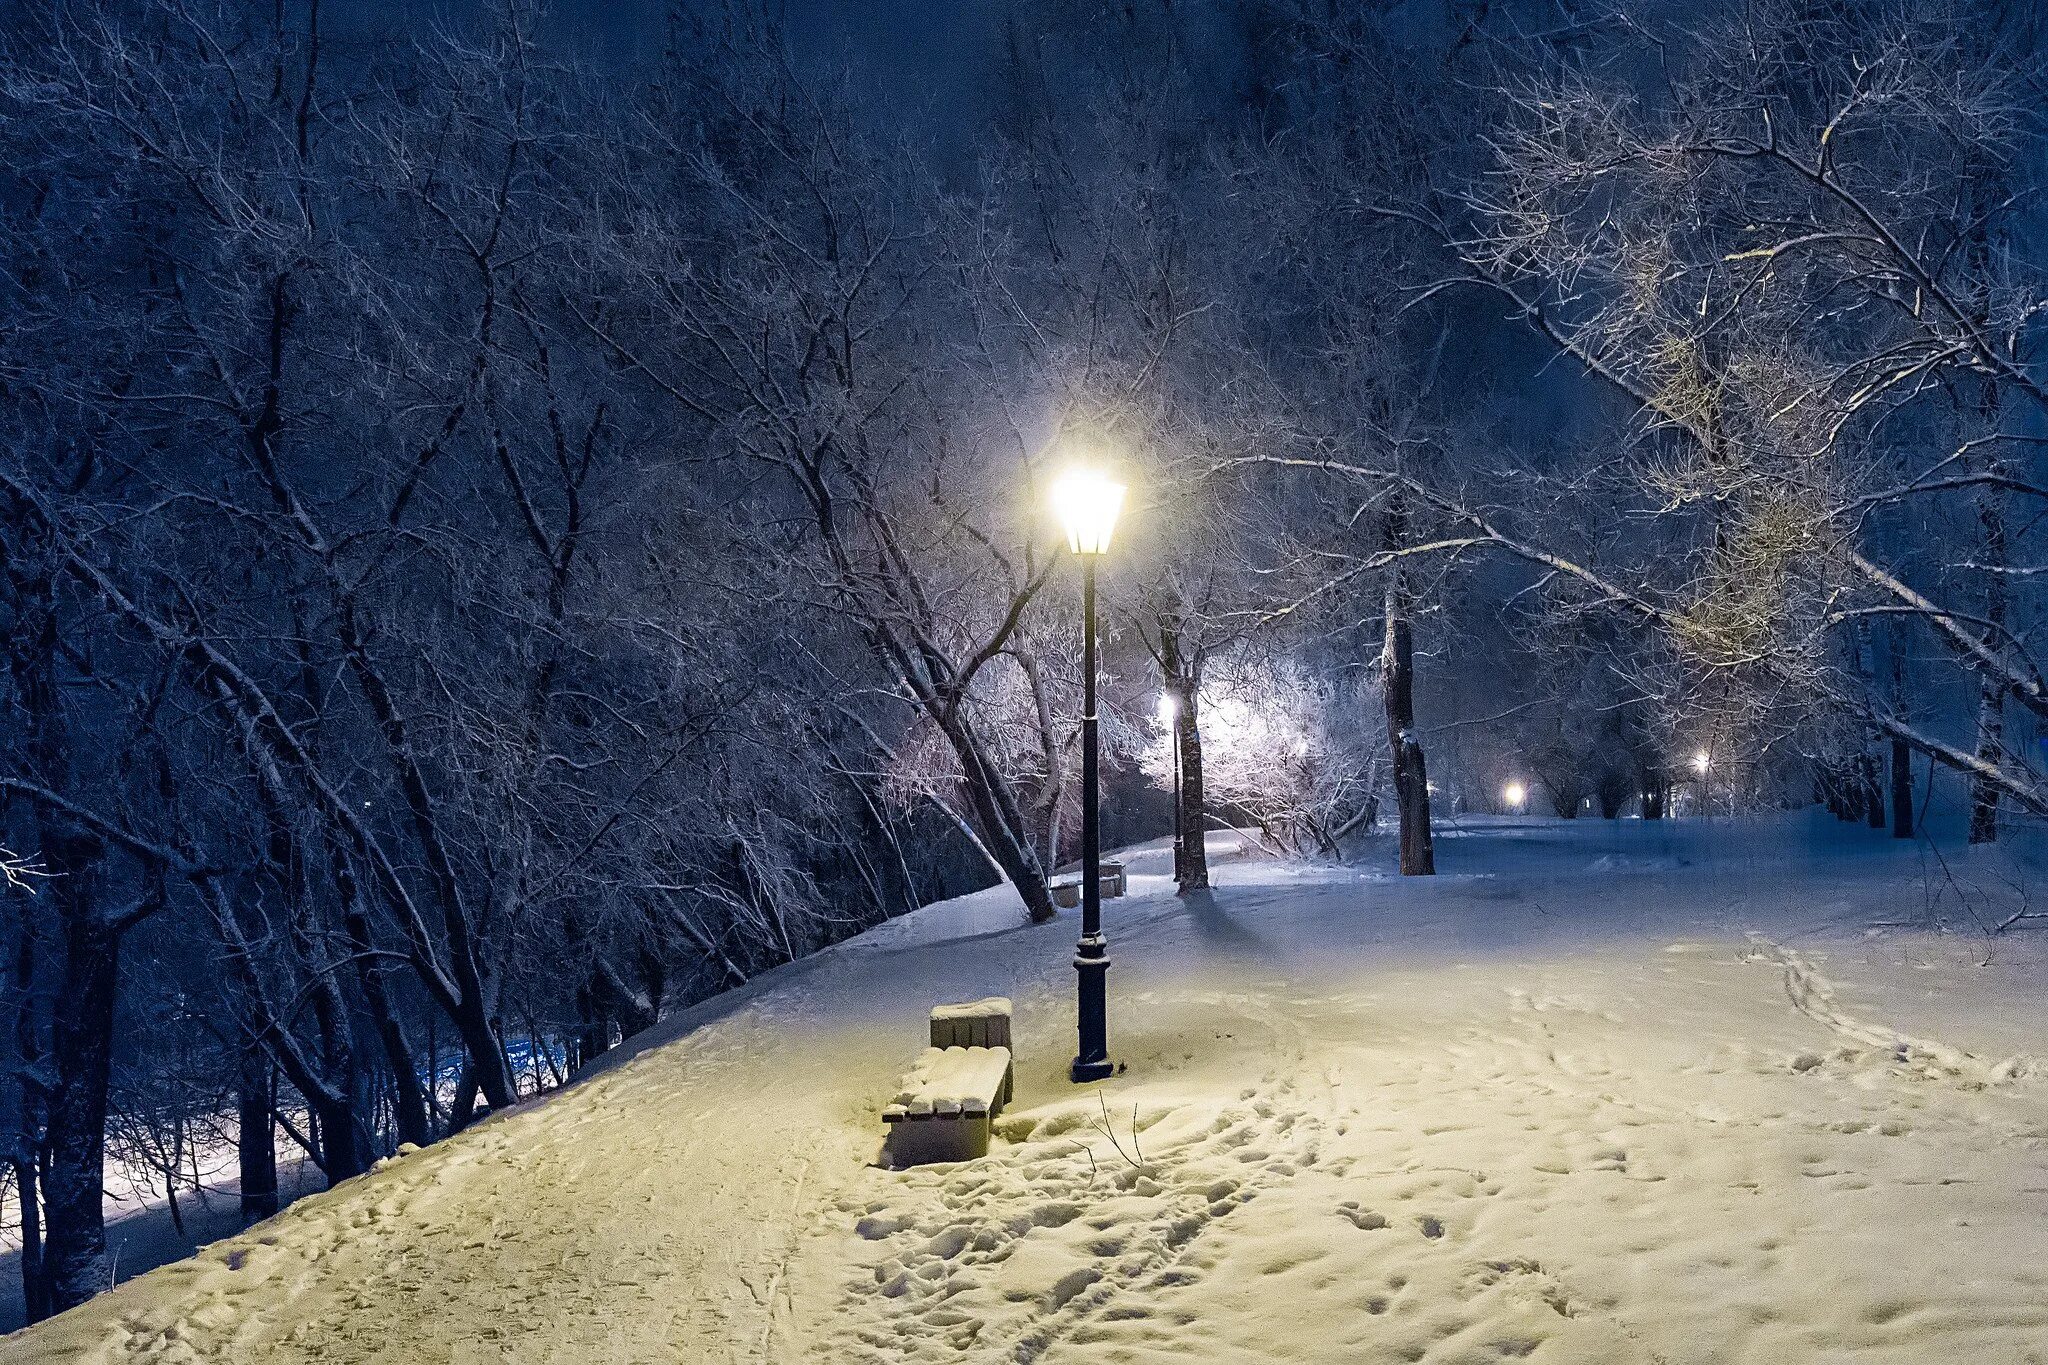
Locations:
943 1111
1066 891
960 1083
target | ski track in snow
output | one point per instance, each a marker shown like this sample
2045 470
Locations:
1562 1111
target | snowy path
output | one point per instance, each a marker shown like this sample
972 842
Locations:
1605 1094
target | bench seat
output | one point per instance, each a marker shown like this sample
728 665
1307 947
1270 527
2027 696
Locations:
944 1109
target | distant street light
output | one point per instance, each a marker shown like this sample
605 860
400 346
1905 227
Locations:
1702 761
1087 501
1169 714
1514 793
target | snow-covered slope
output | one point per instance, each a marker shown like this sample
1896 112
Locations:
1599 1093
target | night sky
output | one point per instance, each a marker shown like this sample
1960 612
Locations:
927 58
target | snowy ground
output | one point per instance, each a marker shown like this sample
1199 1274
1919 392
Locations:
1599 1093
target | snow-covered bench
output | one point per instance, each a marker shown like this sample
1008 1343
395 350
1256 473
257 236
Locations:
1066 892
942 1113
961 1082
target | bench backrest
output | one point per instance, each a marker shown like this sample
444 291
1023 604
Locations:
972 1023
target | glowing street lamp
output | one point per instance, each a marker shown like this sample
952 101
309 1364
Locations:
1514 793
1169 713
1702 761
1087 502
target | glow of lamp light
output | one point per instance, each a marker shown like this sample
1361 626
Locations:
1169 707
1514 793
1701 761
1087 502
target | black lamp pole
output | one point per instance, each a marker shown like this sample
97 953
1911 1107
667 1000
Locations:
1091 954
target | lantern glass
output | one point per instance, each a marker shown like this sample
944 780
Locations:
1087 502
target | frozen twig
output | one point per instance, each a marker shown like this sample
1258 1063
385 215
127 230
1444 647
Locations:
21 874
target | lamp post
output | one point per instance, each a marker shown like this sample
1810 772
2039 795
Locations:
1087 501
1169 716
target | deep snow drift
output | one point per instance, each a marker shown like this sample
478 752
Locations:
1630 1093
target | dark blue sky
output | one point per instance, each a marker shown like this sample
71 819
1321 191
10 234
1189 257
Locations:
932 56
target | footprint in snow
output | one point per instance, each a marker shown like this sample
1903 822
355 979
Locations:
1363 1219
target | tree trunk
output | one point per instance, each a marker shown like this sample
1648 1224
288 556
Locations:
1990 749
408 1095
1873 791
75 1247
999 822
1194 843
349 1144
1902 789
25 1143
1411 768
463 1113
1182 675
347 1148
256 1135
593 1035
1991 696
35 1286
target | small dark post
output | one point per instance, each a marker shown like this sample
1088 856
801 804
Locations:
1091 954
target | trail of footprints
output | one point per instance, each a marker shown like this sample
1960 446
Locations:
1007 1257
1011 1254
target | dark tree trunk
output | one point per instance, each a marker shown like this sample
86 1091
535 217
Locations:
1841 792
1183 676
463 1112
1411 768
999 821
1654 796
82 1043
256 1134
1991 695
25 1143
1902 789
1564 800
593 1035
408 1096
1902 752
1873 791
35 1283
1612 789
348 1145
1990 749
490 1066
31 645
1194 843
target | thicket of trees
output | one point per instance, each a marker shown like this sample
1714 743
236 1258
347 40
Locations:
496 548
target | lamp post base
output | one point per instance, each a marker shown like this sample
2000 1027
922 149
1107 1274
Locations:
1091 963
